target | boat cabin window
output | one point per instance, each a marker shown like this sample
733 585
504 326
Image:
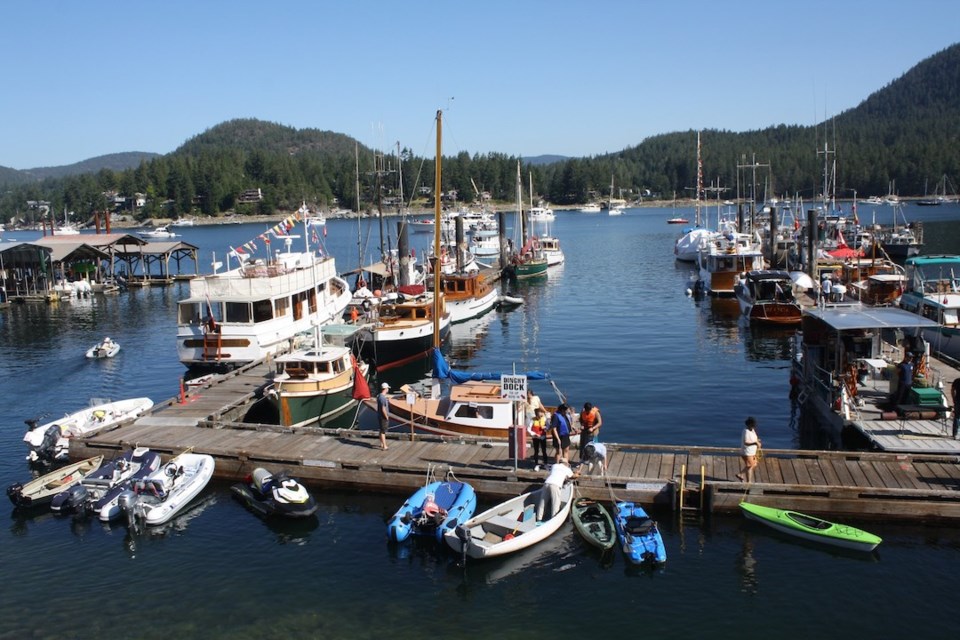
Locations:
281 307
474 411
338 366
238 312
949 317
262 310
298 306
189 313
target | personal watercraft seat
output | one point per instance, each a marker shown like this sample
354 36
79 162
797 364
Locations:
639 526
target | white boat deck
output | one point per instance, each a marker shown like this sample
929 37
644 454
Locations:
907 433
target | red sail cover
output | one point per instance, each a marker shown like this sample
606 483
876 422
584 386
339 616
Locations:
360 388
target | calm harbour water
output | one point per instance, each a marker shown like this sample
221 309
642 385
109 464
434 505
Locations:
613 326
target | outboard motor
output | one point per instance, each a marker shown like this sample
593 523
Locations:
46 451
73 500
130 506
15 493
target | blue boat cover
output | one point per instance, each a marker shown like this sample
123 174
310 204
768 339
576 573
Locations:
442 370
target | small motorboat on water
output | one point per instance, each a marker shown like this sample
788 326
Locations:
508 301
158 232
509 526
107 507
40 491
106 348
639 534
594 523
811 528
109 477
51 441
435 508
165 492
268 494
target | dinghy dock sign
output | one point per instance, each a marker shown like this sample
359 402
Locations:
513 387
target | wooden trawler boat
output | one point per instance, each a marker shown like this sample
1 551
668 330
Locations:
467 295
767 297
725 258
401 329
257 309
316 385
932 290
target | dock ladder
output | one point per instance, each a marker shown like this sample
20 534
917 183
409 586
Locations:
212 345
690 499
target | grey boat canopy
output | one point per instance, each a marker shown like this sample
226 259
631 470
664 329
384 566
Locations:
858 316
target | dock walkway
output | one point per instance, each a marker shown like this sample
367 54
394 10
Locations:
863 485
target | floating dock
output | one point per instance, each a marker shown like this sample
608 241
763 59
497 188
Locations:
699 479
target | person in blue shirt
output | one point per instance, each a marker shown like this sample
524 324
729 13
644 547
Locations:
560 431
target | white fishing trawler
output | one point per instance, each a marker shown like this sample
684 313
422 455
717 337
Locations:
258 309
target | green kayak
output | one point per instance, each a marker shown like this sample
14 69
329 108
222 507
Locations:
811 528
594 523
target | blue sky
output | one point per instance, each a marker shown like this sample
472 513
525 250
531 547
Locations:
83 79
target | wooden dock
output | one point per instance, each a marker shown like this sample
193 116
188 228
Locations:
698 479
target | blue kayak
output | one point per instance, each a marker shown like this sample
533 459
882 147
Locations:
432 510
639 535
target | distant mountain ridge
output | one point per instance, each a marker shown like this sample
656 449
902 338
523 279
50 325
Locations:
112 161
905 133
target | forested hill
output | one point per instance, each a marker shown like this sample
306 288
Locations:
907 132
904 136
250 135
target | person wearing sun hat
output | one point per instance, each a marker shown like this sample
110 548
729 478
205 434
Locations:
383 413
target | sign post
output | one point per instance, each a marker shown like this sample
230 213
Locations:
513 387
411 400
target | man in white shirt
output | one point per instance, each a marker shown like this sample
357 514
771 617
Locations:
559 474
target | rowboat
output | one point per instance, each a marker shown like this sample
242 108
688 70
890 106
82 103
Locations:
594 523
509 526
811 528
640 537
41 490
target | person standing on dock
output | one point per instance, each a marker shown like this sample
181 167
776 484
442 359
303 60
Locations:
538 434
904 379
530 407
383 413
751 446
590 422
955 395
560 431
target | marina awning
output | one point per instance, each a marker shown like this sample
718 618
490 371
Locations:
849 317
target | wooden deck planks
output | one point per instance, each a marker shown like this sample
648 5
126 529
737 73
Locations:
354 458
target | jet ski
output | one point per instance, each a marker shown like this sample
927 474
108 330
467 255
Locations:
279 495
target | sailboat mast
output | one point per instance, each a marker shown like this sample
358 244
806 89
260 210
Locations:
436 233
699 179
356 166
